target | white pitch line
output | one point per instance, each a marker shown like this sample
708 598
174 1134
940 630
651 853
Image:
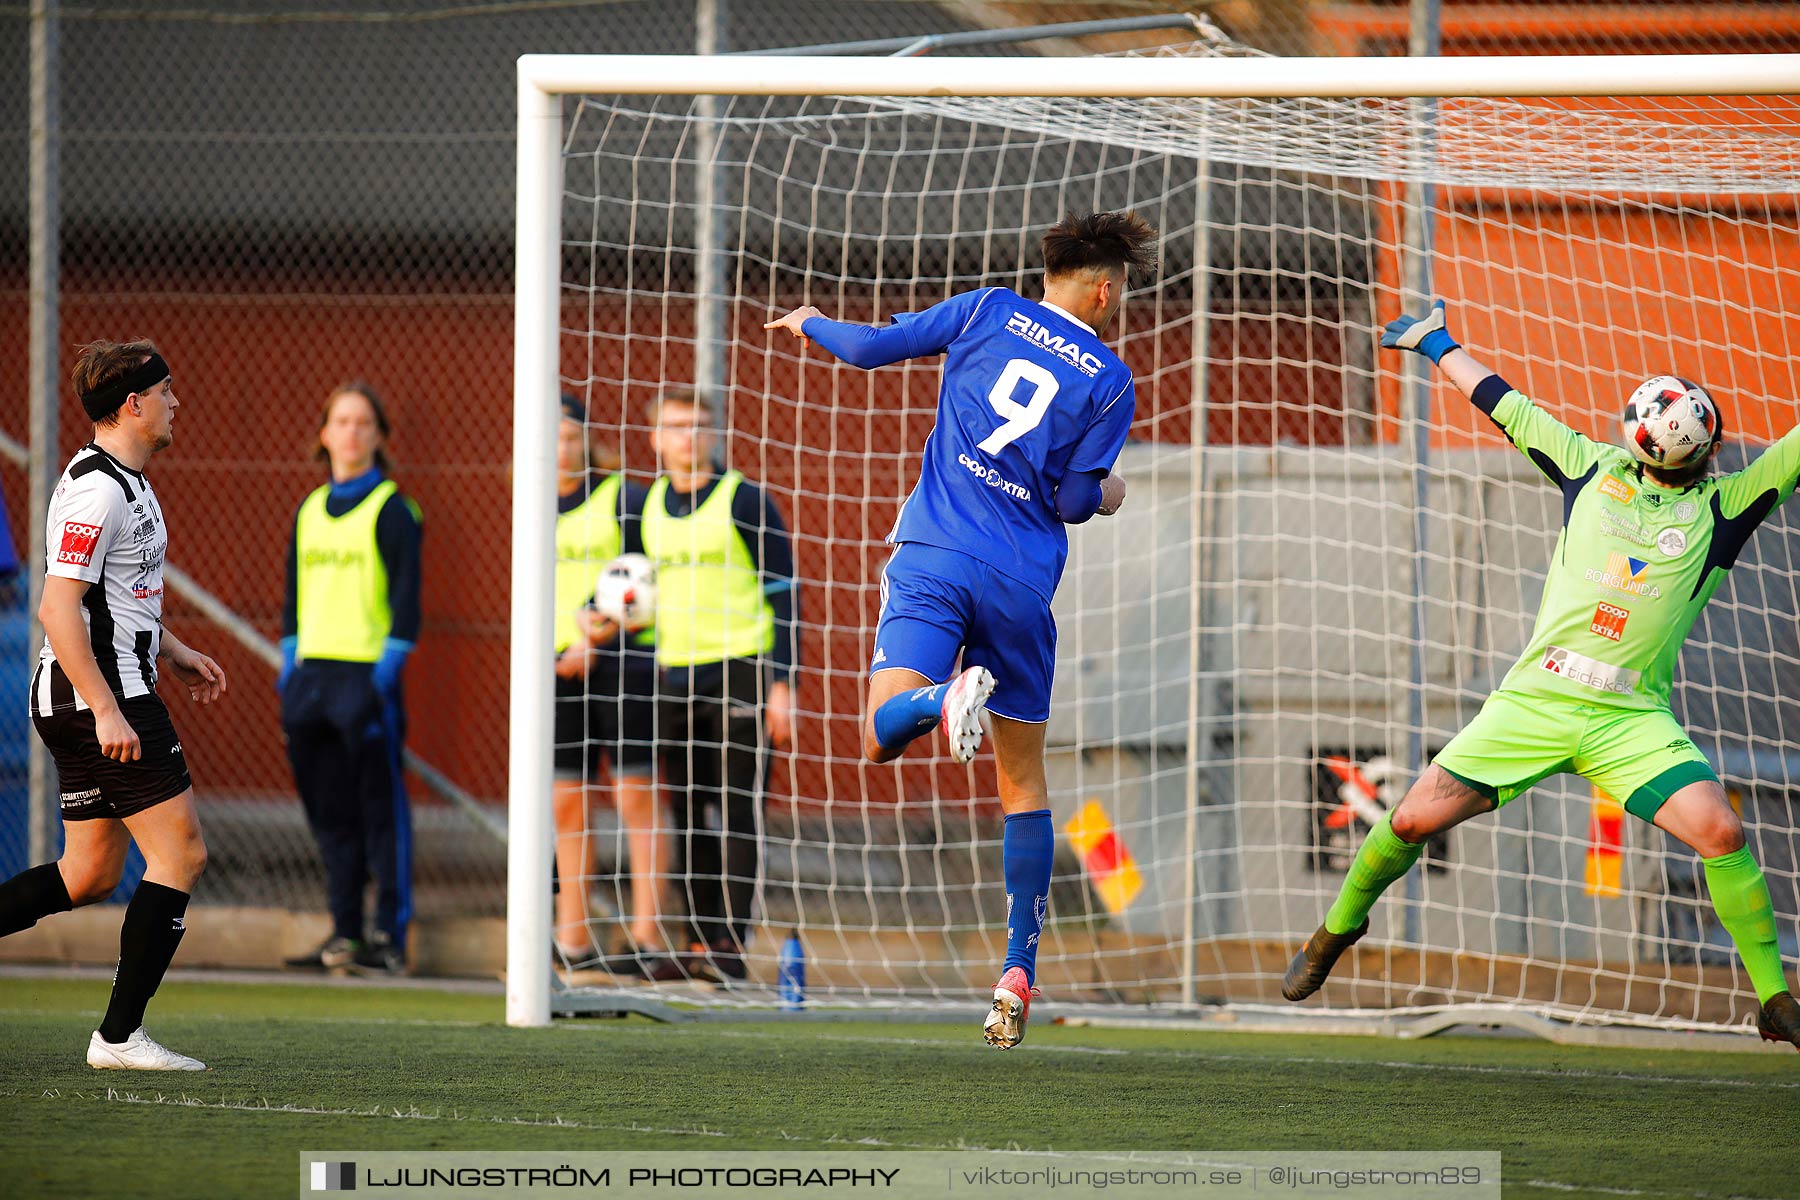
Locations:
1201 1055
381 1112
182 1100
1528 1072
1105 1051
1555 1186
429 1021
975 1048
222 1018
386 1113
38 1012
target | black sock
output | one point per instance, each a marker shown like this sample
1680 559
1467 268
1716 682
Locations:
30 895
147 941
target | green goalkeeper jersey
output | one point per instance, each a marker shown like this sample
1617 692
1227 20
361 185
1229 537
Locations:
1635 562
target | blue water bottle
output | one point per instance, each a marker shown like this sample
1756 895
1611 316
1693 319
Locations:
791 973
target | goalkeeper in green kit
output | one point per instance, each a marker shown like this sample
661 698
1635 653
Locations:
1647 539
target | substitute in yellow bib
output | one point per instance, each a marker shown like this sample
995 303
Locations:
727 616
605 681
350 619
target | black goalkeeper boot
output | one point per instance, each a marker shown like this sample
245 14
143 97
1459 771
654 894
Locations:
1779 1020
1306 974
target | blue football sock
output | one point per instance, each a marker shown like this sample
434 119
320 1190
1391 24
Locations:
1026 850
909 715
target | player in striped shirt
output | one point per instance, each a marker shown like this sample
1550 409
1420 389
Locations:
93 698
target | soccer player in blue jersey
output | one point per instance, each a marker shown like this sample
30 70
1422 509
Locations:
1032 412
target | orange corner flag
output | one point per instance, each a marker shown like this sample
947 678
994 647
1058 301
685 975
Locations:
1110 867
1606 833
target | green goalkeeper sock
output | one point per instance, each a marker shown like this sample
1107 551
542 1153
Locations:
1740 895
1381 859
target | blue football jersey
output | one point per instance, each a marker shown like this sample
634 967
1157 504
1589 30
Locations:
1029 395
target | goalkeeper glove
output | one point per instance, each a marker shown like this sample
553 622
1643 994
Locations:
1422 335
290 648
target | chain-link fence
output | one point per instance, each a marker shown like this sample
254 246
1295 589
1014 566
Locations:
287 199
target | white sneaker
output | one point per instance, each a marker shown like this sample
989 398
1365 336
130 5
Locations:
965 700
139 1052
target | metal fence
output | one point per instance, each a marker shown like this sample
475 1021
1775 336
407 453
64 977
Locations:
288 198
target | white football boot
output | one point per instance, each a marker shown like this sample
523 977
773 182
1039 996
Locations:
139 1052
965 700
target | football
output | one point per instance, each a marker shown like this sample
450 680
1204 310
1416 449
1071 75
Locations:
626 591
1669 421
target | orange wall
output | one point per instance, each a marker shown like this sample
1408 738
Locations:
1558 27
1574 306
836 446
1577 306
252 373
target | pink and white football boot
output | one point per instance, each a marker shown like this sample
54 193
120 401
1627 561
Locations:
965 700
1005 1024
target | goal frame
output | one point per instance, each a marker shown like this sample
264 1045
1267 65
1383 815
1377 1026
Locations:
543 79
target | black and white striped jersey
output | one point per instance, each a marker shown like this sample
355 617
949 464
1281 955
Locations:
106 529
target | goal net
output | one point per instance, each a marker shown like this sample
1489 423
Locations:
1326 562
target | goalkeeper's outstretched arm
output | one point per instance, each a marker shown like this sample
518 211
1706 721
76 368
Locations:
1428 336
1560 452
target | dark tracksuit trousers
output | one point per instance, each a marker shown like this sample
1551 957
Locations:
709 721
344 742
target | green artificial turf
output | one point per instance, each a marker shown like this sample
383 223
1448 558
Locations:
297 1068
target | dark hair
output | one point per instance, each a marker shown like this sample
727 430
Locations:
601 453
1104 241
1718 410
100 363
359 388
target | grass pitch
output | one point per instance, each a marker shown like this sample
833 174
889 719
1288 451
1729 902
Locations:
299 1067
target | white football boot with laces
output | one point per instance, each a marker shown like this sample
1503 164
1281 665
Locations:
139 1052
1005 1024
965 700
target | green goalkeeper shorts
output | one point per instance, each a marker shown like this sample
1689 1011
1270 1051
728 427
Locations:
1635 756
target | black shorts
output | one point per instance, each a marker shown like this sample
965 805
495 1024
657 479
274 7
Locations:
95 786
609 714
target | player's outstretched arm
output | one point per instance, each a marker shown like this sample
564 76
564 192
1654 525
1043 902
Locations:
1769 480
795 322
862 346
1428 336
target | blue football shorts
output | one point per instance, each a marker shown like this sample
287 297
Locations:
937 602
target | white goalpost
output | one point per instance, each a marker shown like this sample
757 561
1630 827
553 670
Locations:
1325 564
